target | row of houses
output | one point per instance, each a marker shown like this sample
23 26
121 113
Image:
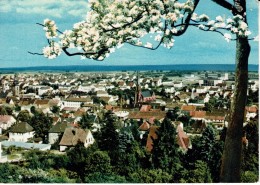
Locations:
73 95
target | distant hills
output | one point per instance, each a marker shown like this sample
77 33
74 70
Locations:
93 68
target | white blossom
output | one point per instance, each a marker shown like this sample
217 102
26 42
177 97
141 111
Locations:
158 38
128 21
201 26
227 37
219 18
148 45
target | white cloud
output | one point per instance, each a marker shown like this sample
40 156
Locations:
5 7
55 8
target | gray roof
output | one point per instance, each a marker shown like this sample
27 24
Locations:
58 128
21 127
72 135
146 94
26 145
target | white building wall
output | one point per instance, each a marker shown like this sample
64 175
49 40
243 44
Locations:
53 137
20 136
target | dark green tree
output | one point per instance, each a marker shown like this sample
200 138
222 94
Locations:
55 109
41 125
207 149
250 155
173 114
98 177
109 135
150 176
24 116
98 161
199 174
165 153
77 157
4 110
86 121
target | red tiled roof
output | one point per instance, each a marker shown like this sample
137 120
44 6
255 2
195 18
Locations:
144 127
152 135
188 107
147 115
198 114
182 138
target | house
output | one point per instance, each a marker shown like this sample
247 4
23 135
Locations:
21 131
41 104
26 104
188 108
137 115
72 136
44 89
146 96
123 115
151 136
108 99
75 102
157 82
198 115
182 138
102 93
251 112
145 126
56 131
182 97
6 121
202 89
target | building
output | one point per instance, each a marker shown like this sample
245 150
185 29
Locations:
21 131
72 136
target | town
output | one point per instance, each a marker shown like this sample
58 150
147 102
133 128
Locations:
56 111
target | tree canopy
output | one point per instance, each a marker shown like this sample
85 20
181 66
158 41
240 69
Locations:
109 24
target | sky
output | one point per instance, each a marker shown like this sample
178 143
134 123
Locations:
20 34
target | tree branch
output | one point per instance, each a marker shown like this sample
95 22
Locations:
44 26
187 20
34 53
226 5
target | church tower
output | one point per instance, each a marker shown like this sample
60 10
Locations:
16 88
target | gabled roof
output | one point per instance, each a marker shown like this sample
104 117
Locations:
58 128
151 136
145 126
182 138
72 136
21 127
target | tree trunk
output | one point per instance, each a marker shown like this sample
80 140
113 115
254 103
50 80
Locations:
231 159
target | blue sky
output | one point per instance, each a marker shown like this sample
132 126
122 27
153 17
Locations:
19 34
